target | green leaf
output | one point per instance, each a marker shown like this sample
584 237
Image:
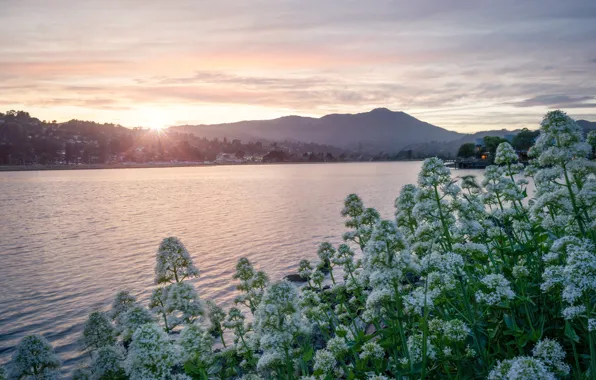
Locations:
308 354
570 332
510 322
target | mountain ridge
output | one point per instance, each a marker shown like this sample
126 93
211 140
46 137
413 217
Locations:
378 129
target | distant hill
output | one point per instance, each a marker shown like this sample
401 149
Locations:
450 148
377 130
587 125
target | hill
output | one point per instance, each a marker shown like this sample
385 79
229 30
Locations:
587 125
377 130
449 148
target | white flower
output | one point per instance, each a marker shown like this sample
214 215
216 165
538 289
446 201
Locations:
499 289
551 353
183 302
560 140
415 348
361 220
520 271
151 354
305 269
252 284
337 346
505 154
326 251
278 322
371 350
108 363
453 330
121 304
434 173
324 362
573 312
416 301
520 368
268 360
133 318
98 331
318 277
404 205
173 262
34 355
195 343
591 324
376 377
344 332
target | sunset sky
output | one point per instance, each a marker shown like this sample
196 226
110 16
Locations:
462 65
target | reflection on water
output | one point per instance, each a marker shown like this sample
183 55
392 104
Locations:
69 240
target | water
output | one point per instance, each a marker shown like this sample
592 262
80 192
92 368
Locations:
69 240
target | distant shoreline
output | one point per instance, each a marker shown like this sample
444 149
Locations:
25 168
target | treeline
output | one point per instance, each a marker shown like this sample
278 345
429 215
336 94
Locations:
26 140
521 142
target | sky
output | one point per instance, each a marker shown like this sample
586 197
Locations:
464 65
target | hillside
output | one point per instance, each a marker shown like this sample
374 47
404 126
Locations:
587 125
376 130
449 148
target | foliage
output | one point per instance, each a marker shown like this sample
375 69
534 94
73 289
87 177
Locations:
491 143
471 280
108 363
524 139
34 358
591 139
151 354
26 140
98 331
467 150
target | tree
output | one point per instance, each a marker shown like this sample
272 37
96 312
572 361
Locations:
69 154
174 263
491 143
34 357
466 150
524 139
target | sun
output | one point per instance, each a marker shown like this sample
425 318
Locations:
157 128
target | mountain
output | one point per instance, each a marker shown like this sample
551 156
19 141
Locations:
587 125
376 130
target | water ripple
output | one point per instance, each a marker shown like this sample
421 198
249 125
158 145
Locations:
70 240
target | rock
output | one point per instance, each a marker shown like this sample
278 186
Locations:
294 277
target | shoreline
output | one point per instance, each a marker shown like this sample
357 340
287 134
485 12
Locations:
25 168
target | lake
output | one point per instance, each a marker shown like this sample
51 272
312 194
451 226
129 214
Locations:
69 240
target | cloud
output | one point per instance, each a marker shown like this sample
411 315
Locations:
557 101
456 62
